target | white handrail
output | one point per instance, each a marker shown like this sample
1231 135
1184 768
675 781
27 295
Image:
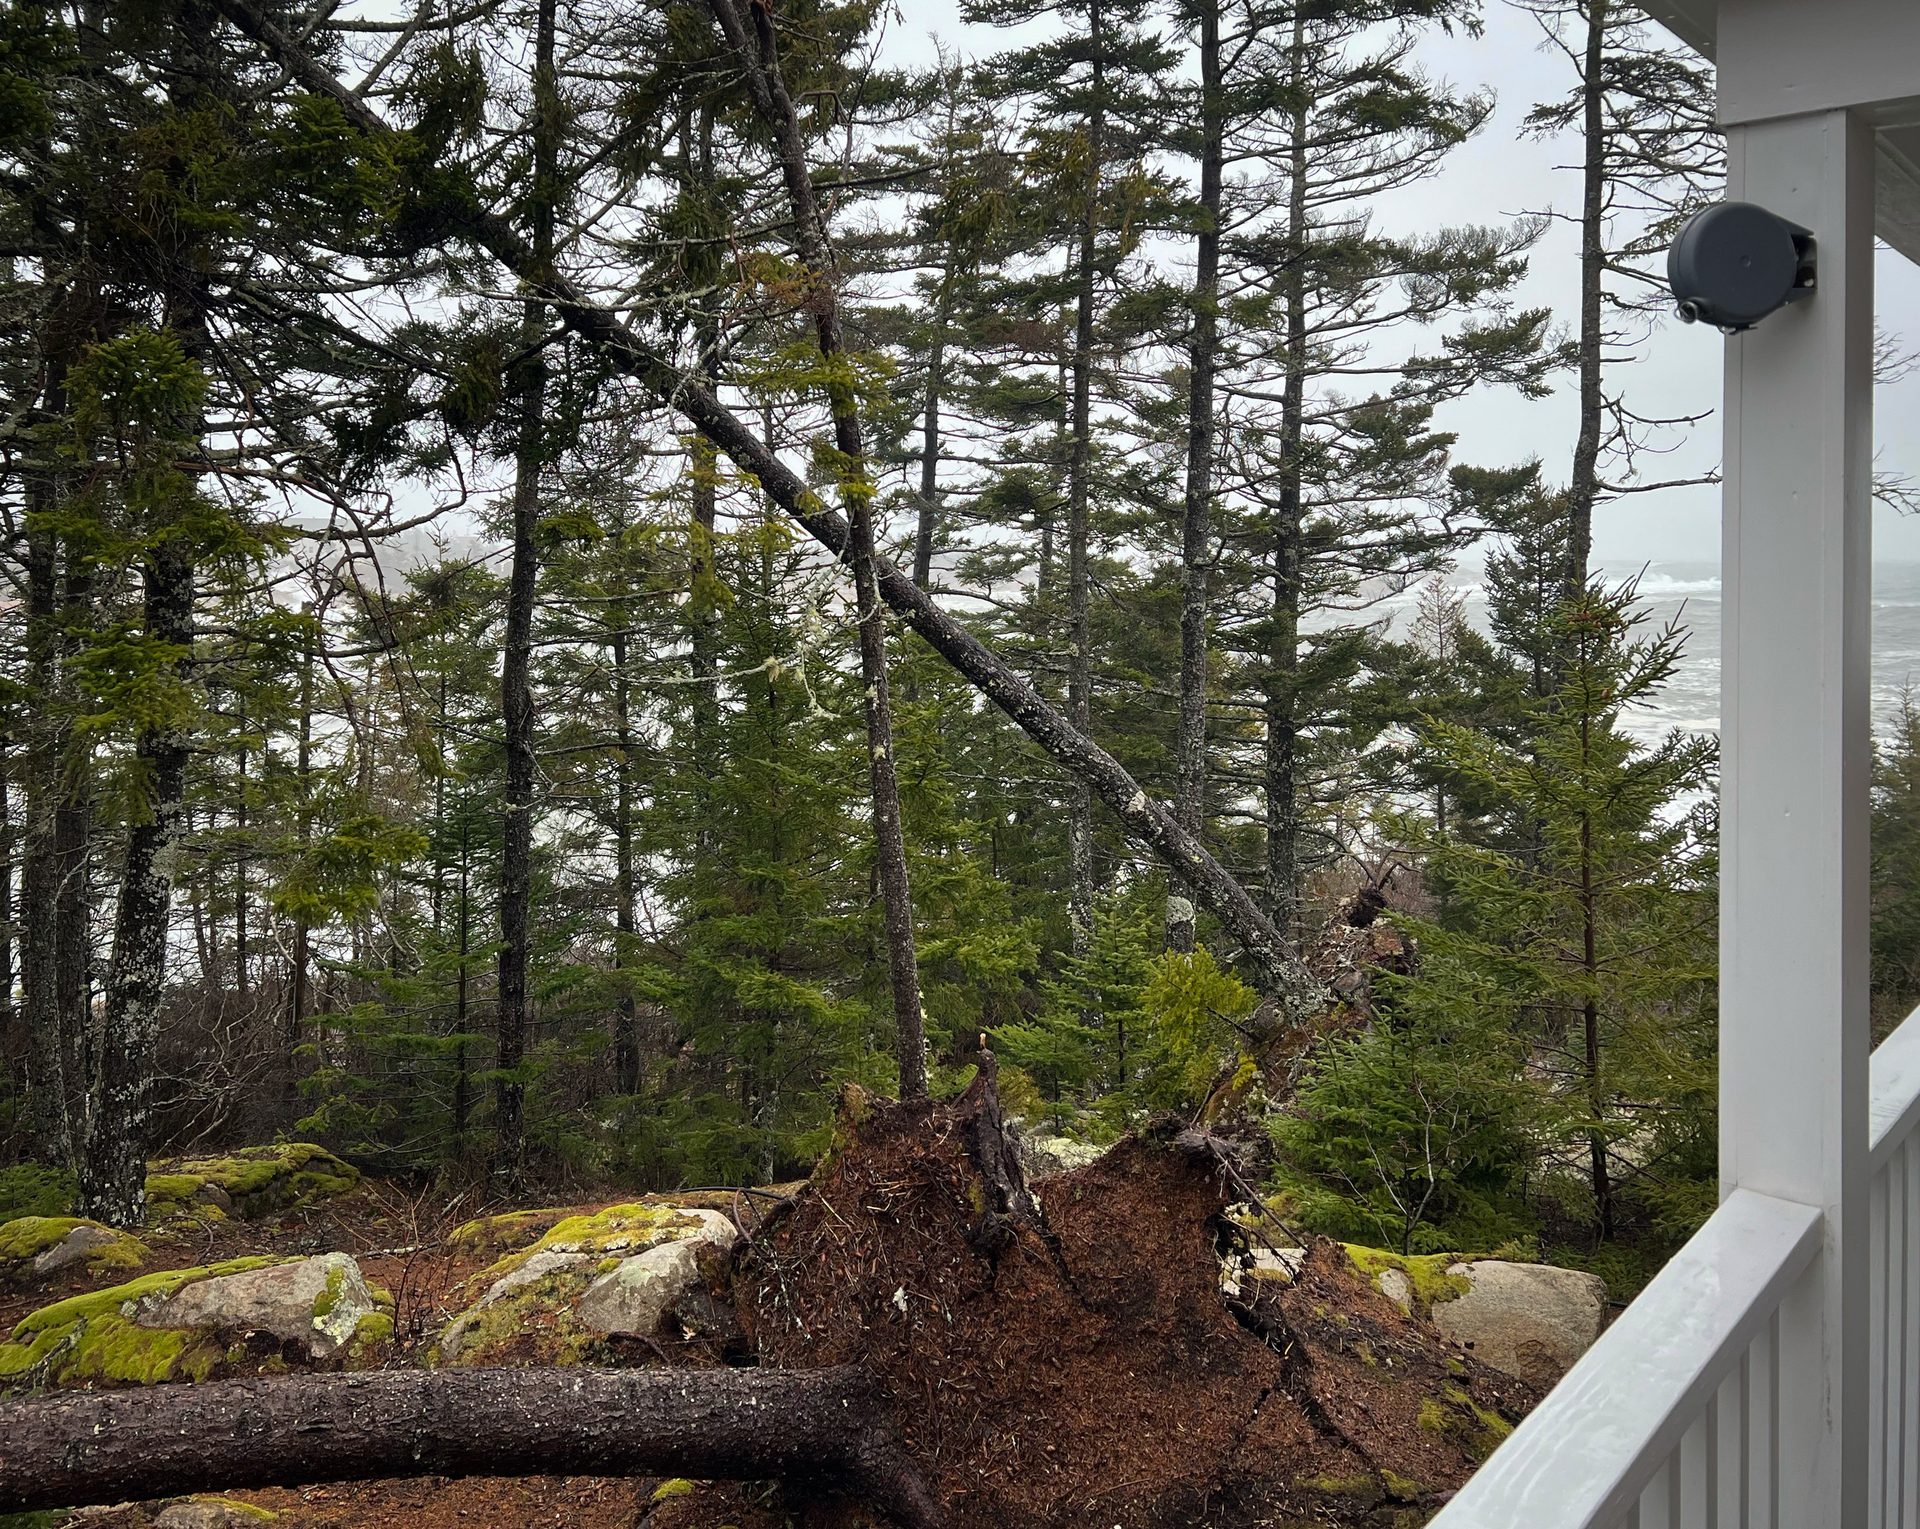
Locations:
1893 1090
1588 1451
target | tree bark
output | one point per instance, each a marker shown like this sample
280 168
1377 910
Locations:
300 957
1190 746
1282 761
1079 500
823 1427
113 1168
1584 489
516 683
1148 823
626 1039
760 57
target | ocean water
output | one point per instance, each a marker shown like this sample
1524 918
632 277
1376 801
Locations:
1689 594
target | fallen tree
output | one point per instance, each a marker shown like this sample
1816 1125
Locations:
933 1344
821 1427
1149 823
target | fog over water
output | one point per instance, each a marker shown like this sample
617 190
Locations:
1689 593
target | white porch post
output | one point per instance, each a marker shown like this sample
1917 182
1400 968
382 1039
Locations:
1796 741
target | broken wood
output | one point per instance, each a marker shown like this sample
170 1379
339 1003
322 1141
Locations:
825 1427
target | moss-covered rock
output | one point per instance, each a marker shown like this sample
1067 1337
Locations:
96 1337
250 1183
40 1246
212 1513
622 1229
1416 1284
534 1301
526 1316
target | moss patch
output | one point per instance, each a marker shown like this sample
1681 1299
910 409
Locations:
619 1229
490 1236
1426 1274
251 1512
26 1237
1455 1415
256 1181
94 1337
532 1324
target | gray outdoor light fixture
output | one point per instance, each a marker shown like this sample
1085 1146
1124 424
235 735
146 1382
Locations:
1734 263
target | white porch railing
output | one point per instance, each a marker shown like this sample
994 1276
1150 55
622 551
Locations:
1672 1420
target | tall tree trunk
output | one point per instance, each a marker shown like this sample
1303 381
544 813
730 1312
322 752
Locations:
516 682
626 1039
1079 496
1282 761
462 1085
825 1425
703 609
113 1168
49 1095
241 910
300 957
8 1018
927 527
753 40
1190 748
1584 489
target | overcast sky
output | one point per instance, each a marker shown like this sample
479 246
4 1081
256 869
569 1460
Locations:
1500 174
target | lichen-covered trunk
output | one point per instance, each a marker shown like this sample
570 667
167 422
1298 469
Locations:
113 1167
825 1426
1190 747
52 1124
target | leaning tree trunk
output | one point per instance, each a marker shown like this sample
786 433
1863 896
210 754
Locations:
824 1426
760 58
1276 965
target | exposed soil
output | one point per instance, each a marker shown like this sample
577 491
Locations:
1065 1363
1083 1368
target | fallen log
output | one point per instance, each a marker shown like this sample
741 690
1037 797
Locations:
825 1428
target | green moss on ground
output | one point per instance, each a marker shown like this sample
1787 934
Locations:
1454 1414
1426 1273
256 1181
94 1337
26 1237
